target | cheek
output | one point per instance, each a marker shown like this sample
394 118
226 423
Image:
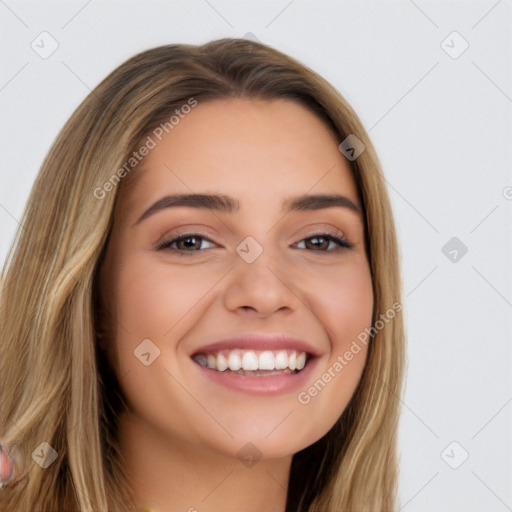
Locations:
344 304
343 300
158 302
153 298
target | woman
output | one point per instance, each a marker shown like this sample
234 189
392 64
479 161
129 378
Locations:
201 310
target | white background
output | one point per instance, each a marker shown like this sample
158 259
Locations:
442 127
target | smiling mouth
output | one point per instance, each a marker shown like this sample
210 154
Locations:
255 363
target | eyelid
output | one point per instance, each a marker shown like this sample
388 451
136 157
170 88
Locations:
173 236
334 233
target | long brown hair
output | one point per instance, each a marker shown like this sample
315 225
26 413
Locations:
55 381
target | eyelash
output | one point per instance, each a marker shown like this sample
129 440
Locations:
340 241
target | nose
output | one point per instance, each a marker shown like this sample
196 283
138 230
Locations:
262 287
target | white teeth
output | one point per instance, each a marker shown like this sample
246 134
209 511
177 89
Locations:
250 361
239 360
281 360
222 363
234 361
266 360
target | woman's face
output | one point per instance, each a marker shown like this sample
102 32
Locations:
257 279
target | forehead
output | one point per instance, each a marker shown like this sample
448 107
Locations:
253 150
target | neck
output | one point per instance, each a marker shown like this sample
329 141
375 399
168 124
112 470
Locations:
171 475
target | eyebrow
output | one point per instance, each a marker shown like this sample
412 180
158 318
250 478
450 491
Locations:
223 203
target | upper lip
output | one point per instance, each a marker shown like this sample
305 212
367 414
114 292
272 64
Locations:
260 342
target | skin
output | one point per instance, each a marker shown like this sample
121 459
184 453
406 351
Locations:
183 433
6 467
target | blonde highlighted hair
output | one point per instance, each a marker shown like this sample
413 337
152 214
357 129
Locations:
56 385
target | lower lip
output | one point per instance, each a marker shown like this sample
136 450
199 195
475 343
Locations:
271 385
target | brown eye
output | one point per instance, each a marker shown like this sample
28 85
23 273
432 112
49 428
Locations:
321 243
188 242
317 242
191 242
